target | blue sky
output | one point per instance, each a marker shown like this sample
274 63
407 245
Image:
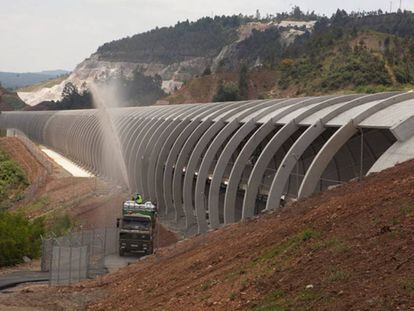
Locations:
58 34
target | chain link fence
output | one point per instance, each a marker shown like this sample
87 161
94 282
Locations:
78 255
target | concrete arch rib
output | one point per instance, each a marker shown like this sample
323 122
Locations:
175 165
200 147
332 146
399 152
251 146
181 166
304 141
136 143
222 163
276 143
155 143
139 164
209 156
161 149
190 173
137 123
261 164
170 151
289 161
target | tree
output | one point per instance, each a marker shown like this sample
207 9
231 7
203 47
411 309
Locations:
69 90
207 71
226 92
258 16
244 82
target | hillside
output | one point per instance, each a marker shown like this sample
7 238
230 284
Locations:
10 101
349 248
14 80
287 54
44 84
365 61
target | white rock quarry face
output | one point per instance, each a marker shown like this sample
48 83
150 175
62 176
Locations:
93 69
297 24
44 94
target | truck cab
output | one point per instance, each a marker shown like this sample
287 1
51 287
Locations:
137 228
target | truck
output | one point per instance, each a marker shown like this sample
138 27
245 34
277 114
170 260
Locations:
137 228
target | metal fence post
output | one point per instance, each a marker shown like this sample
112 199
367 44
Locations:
58 269
51 265
80 263
87 260
70 258
104 246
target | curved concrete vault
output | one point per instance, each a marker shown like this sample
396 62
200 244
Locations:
212 164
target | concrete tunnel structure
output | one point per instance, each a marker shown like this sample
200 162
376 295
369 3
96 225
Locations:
211 164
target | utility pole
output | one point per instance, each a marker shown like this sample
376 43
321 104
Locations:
390 6
400 5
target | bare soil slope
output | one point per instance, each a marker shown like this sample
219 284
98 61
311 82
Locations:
18 151
350 248
346 249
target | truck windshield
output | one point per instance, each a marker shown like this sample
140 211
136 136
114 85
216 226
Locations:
135 224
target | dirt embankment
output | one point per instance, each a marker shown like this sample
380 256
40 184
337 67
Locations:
350 248
18 152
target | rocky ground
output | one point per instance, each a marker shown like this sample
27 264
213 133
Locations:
350 248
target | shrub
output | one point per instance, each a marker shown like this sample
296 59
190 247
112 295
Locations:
19 238
12 177
227 92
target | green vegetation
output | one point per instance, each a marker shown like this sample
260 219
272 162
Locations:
141 90
37 205
333 244
60 224
19 238
290 244
243 82
408 285
13 101
72 98
12 181
205 37
364 52
205 286
227 91
338 275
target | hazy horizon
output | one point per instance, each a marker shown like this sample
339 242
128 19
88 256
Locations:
51 35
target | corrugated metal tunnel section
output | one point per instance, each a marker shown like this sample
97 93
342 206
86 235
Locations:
211 164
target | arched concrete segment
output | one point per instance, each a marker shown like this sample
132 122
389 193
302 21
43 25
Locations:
155 144
222 163
203 171
212 149
161 151
399 152
333 145
288 163
261 164
181 167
